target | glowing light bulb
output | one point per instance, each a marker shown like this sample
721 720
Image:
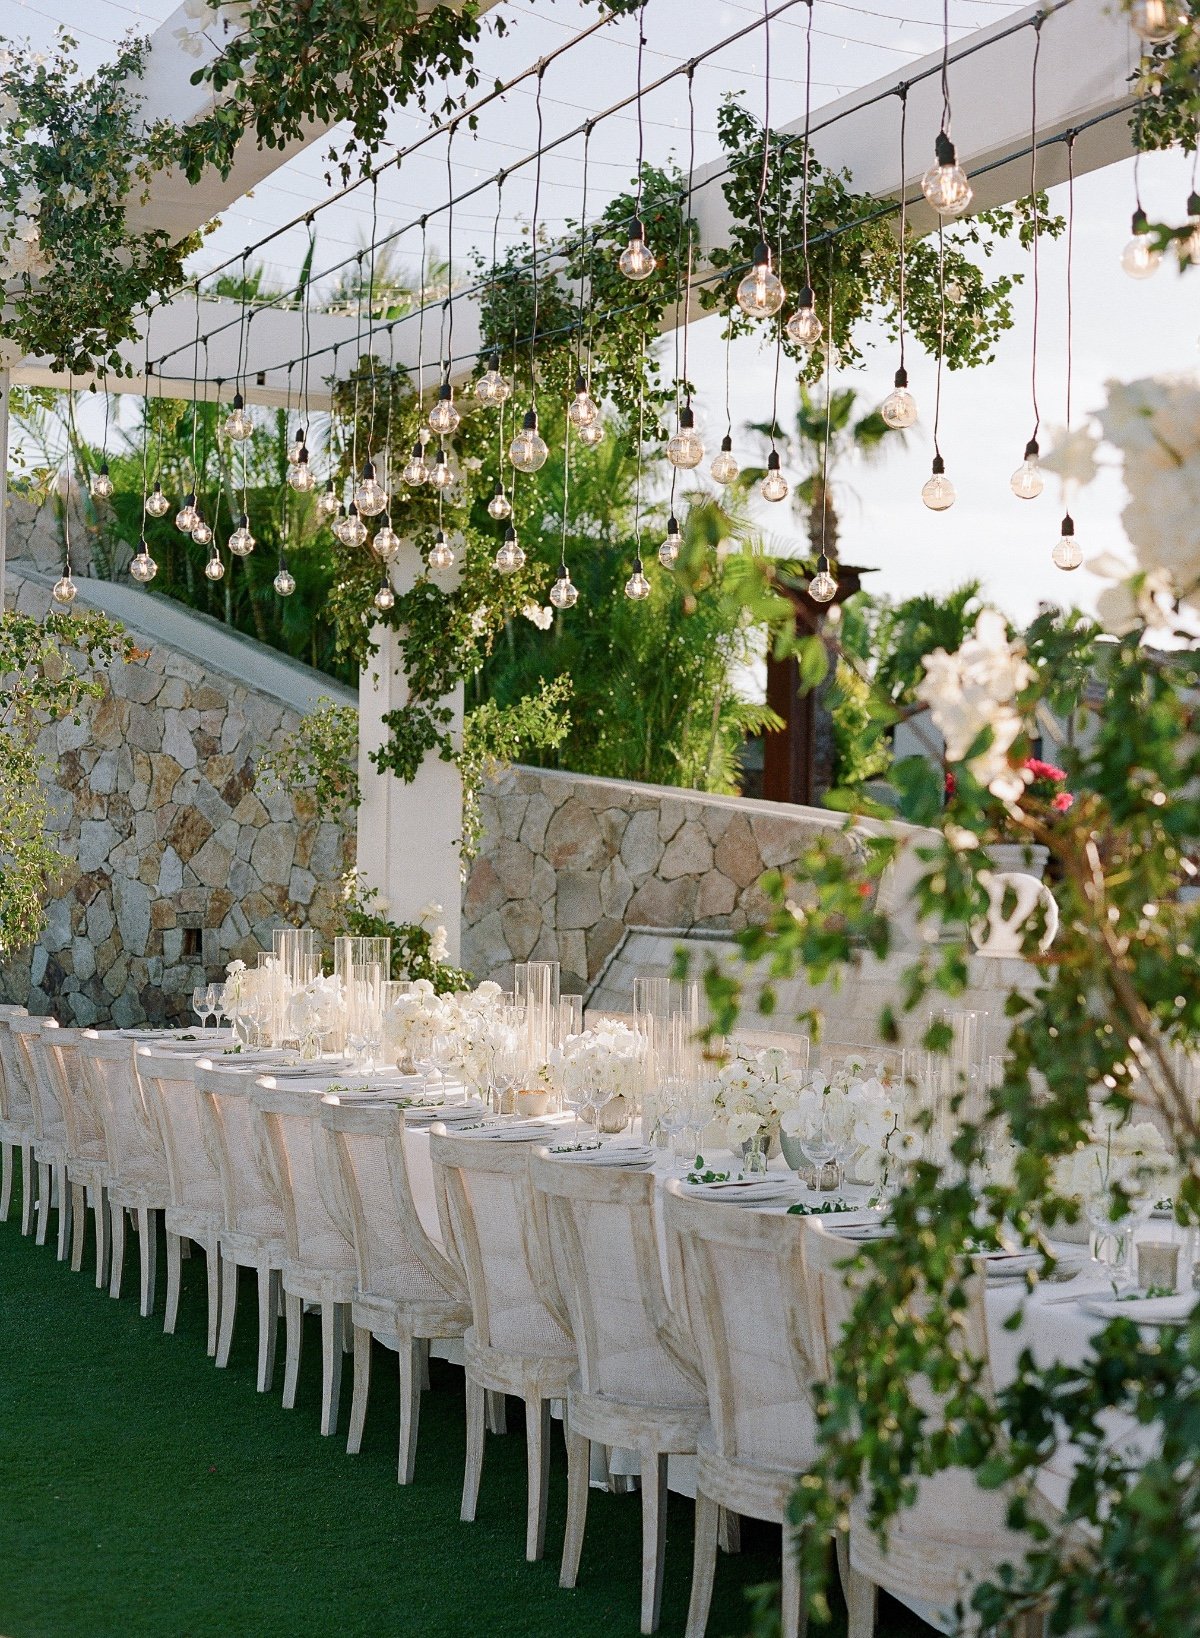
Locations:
202 534
284 582
938 493
338 526
238 424
354 530
369 494
493 388
637 587
1187 248
441 555
528 450
822 588
1140 258
143 568
499 507
510 557
582 410
65 590
385 597
214 569
592 435
298 449
187 517
300 476
564 594
1156 21
774 486
724 467
804 327
686 448
328 503
387 542
415 471
441 476
157 504
101 485
668 552
761 292
637 261
241 541
945 183
1027 482
444 417
899 408
1067 553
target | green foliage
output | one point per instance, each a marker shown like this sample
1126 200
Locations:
415 948
321 755
494 734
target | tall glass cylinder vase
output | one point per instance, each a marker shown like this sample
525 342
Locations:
295 964
536 990
364 1015
349 953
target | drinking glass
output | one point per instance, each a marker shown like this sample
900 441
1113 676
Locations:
818 1143
200 1002
216 1003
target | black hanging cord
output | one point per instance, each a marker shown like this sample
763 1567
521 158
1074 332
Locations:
641 46
1033 199
537 196
807 122
902 93
766 153
450 250
937 398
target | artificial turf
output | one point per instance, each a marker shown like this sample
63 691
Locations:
144 1492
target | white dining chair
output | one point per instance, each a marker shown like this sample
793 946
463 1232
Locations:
87 1147
638 1386
194 1210
137 1167
49 1129
406 1291
516 1343
737 1269
16 1123
252 1227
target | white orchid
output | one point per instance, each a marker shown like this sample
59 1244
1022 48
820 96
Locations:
607 1061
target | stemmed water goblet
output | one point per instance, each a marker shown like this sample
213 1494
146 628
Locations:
818 1143
200 1002
216 1003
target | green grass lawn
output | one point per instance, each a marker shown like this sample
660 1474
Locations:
142 1491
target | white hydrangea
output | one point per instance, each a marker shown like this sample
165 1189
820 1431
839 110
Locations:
976 688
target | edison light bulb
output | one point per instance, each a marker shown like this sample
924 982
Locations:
938 493
385 597
510 557
143 568
338 525
157 504
328 503
774 486
1156 21
284 582
637 587
297 451
899 408
492 387
441 555
101 485
415 471
387 542
822 588
668 552
582 409
354 530
214 569
804 327
636 261
440 476
444 417
760 293
369 494
686 448
1067 553
564 594
1140 258
238 424
945 183
593 434
528 450
300 476
241 541
64 590
1027 482
187 517
499 507
201 533
1188 248
724 467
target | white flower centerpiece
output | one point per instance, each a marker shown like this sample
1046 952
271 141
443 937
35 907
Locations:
755 1091
1116 1176
313 1013
858 1120
603 1068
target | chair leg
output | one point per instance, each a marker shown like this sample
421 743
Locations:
497 1416
78 1225
28 1188
860 1593
229 1285
410 1408
6 1174
269 1286
103 1214
212 1253
654 1535
43 1204
537 1463
331 1365
147 1257
579 1461
729 1532
474 1468
117 1214
362 1389
704 1565
65 1192
793 1611
293 1319
174 1281
424 1347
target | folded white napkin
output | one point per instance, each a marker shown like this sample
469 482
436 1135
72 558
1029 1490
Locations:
450 1114
747 1191
525 1131
630 1155
1144 1310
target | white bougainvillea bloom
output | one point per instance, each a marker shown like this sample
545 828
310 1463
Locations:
977 688
1133 598
543 619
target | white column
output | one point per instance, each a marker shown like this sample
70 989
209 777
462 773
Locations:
407 834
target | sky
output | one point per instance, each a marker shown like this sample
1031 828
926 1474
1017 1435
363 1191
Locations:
1122 328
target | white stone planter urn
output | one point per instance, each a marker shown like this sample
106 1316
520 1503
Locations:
1014 893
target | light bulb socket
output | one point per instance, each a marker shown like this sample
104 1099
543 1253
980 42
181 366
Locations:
238 401
494 363
190 498
672 525
1031 450
441 458
302 457
368 470
104 469
807 299
1193 203
510 536
727 445
823 564
143 548
157 490
499 489
637 229
943 150
637 565
352 510
243 523
301 435
1139 222
530 421
773 461
939 466
440 538
901 379
444 393
563 572
580 382
418 450
329 486
1068 526
762 254
687 418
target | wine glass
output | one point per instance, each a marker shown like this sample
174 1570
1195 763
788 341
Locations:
216 1003
818 1143
200 1002
673 1115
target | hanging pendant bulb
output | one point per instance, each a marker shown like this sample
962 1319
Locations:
415 471
441 476
1188 247
592 435
369 494
528 450
822 588
444 417
65 590
499 507
441 555
637 260
143 568
238 424
241 541
939 493
637 587
668 552
899 408
101 486
724 467
582 410
945 183
387 542
493 388
804 327
354 530
1156 21
1027 482
157 504
564 594
187 517
298 448
202 534
328 504
1140 258
338 526
385 597
1067 553
774 486
510 557
300 476
284 582
686 448
214 569
761 292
